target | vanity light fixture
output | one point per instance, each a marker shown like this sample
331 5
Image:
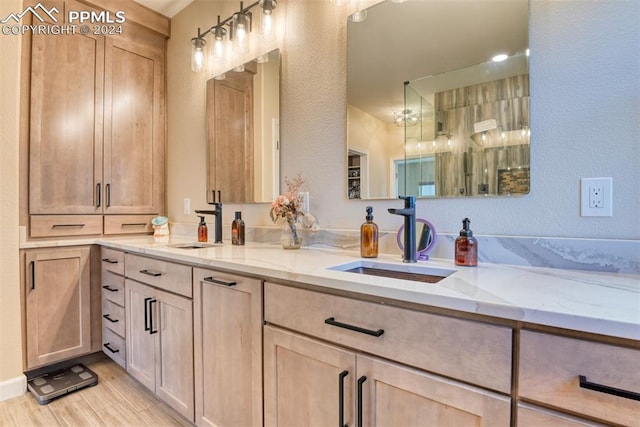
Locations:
239 26
197 52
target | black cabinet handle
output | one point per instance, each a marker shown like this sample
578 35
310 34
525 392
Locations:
98 195
146 313
33 275
361 381
112 350
108 189
607 389
341 398
109 261
151 273
151 331
110 289
134 224
219 282
332 321
106 316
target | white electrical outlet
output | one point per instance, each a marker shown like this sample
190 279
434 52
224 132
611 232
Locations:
187 206
596 197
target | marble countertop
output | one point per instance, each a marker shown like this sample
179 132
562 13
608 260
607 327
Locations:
601 303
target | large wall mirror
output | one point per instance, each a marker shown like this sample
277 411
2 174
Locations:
430 112
243 132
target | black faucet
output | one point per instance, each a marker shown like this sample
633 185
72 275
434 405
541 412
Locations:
218 214
409 214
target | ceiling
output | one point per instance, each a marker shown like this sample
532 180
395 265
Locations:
168 8
401 42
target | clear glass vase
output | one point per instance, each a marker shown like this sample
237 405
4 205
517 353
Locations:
290 238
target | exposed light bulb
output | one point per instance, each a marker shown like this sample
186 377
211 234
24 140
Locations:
267 25
197 53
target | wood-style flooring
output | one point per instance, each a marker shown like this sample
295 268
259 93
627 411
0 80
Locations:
117 400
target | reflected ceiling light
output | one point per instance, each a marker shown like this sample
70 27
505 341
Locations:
526 52
239 26
398 1
359 16
339 2
406 118
198 44
500 57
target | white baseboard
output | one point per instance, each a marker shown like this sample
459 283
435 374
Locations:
13 388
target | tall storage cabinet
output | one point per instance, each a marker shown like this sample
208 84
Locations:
96 131
57 298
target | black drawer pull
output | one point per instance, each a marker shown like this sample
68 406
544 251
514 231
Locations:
110 289
341 398
146 313
112 350
151 331
361 381
106 316
608 390
332 321
134 224
99 195
151 273
218 282
109 261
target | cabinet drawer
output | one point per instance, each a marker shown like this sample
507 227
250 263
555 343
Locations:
531 416
114 346
65 225
471 351
127 224
165 275
113 317
113 288
550 370
112 260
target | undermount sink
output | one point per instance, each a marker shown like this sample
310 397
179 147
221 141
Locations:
195 245
416 273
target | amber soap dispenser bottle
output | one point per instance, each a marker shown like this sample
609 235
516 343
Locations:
202 230
466 246
237 230
369 236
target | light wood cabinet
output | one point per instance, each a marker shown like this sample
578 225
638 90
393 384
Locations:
113 311
96 131
310 383
592 379
228 349
159 340
474 352
57 298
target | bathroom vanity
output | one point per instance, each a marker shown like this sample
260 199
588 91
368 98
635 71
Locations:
280 337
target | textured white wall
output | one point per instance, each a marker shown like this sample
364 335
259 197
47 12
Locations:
585 110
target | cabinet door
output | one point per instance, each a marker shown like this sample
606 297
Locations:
304 384
394 395
57 297
134 124
140 342
228 342
66 113
173 320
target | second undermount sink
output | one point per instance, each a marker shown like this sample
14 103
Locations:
194 245
414 272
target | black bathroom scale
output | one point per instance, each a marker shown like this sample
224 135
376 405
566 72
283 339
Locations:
60 382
